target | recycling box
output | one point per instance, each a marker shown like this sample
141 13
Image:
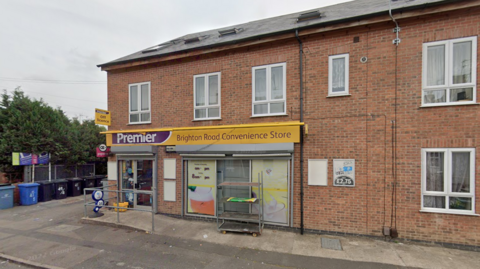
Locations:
89 182
98 180
45 191
61 188
28 193
6 196
75 186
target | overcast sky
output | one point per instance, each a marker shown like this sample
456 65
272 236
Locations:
50 48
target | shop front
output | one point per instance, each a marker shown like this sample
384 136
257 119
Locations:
135 169
210 156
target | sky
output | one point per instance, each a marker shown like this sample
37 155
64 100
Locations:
51 48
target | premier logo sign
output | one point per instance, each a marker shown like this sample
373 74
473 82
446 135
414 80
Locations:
140 138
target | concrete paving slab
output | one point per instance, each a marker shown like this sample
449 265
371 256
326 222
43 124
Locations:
370 250
444 258
236 263
272 240
45 252
4 235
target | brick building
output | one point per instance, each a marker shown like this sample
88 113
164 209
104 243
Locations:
361 116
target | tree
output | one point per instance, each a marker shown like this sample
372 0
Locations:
32 126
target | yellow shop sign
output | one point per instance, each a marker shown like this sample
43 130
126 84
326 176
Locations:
232 134
283 134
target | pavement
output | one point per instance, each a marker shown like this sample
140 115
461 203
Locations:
56 235
353 248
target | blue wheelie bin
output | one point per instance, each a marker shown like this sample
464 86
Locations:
28 193
6 196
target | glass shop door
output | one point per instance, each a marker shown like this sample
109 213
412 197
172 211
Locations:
136 175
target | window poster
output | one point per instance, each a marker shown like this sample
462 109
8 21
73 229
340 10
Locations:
344 173
201 187
275 189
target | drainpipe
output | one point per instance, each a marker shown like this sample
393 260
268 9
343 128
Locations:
396 42
301 129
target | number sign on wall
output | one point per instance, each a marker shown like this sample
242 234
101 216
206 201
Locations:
344 173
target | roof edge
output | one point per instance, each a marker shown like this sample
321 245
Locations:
320 24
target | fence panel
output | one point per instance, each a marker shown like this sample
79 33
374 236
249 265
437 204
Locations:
62 171
41 173
85 170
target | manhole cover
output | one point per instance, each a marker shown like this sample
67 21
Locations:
331 243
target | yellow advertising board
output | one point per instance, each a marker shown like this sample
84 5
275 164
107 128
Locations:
102 117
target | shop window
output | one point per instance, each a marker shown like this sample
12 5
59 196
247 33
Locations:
449 72
201 188
448 180
275 189
139 105
203 177
269 90
207 96
338 75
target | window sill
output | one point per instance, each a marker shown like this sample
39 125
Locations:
450 213
139 123
338 95
450 104
207 119
263 116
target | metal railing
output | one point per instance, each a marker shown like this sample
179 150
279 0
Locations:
117 198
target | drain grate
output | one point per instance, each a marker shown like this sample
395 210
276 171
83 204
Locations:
331 243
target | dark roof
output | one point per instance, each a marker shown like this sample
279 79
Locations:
281 24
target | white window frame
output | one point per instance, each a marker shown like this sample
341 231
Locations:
268 93
447 192
139 104
207 90
448 72
345 56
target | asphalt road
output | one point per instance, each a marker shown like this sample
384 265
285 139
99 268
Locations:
51 233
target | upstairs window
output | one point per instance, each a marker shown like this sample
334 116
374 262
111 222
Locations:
449 72
448 180
338 75
269 90
207 96
139 95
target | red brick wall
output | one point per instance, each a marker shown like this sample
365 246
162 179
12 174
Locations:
357 127
169 207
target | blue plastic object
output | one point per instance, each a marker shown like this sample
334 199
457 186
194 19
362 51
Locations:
97 195
28 193
6 197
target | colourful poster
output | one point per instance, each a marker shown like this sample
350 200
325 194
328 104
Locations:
43 158
15 158
344 173
201 187
275 189
21 158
